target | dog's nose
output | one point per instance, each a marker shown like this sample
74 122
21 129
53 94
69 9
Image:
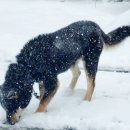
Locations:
12 119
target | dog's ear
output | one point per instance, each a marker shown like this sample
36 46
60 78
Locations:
12 94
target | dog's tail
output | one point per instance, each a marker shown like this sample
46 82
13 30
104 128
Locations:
116 36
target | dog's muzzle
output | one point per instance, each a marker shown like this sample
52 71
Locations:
14 118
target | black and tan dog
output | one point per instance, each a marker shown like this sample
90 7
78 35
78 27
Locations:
46 56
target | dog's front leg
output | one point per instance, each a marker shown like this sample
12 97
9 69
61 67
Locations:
51 87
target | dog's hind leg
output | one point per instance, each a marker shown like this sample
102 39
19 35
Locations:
75 75
91 60
90 88
51 87
90 69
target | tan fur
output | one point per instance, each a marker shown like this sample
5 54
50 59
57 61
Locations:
58 83
44 102
15 117
75 75
90 88
90 85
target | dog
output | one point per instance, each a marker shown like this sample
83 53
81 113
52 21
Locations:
47 55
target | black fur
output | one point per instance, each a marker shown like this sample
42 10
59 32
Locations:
116 36
48 55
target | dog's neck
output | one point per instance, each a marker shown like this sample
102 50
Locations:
18 77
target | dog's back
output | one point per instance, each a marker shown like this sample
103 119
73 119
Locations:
59 50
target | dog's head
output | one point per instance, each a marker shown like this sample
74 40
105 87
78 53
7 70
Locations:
15 93
10 102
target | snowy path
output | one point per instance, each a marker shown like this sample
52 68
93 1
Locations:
109 109
21 20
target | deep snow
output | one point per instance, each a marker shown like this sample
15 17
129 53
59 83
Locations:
109 109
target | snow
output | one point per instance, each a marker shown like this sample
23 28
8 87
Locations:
109 109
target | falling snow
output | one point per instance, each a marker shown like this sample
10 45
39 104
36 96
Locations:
110 107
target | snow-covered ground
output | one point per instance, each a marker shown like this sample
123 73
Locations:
20 20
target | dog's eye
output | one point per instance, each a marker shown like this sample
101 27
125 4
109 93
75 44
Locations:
12 95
